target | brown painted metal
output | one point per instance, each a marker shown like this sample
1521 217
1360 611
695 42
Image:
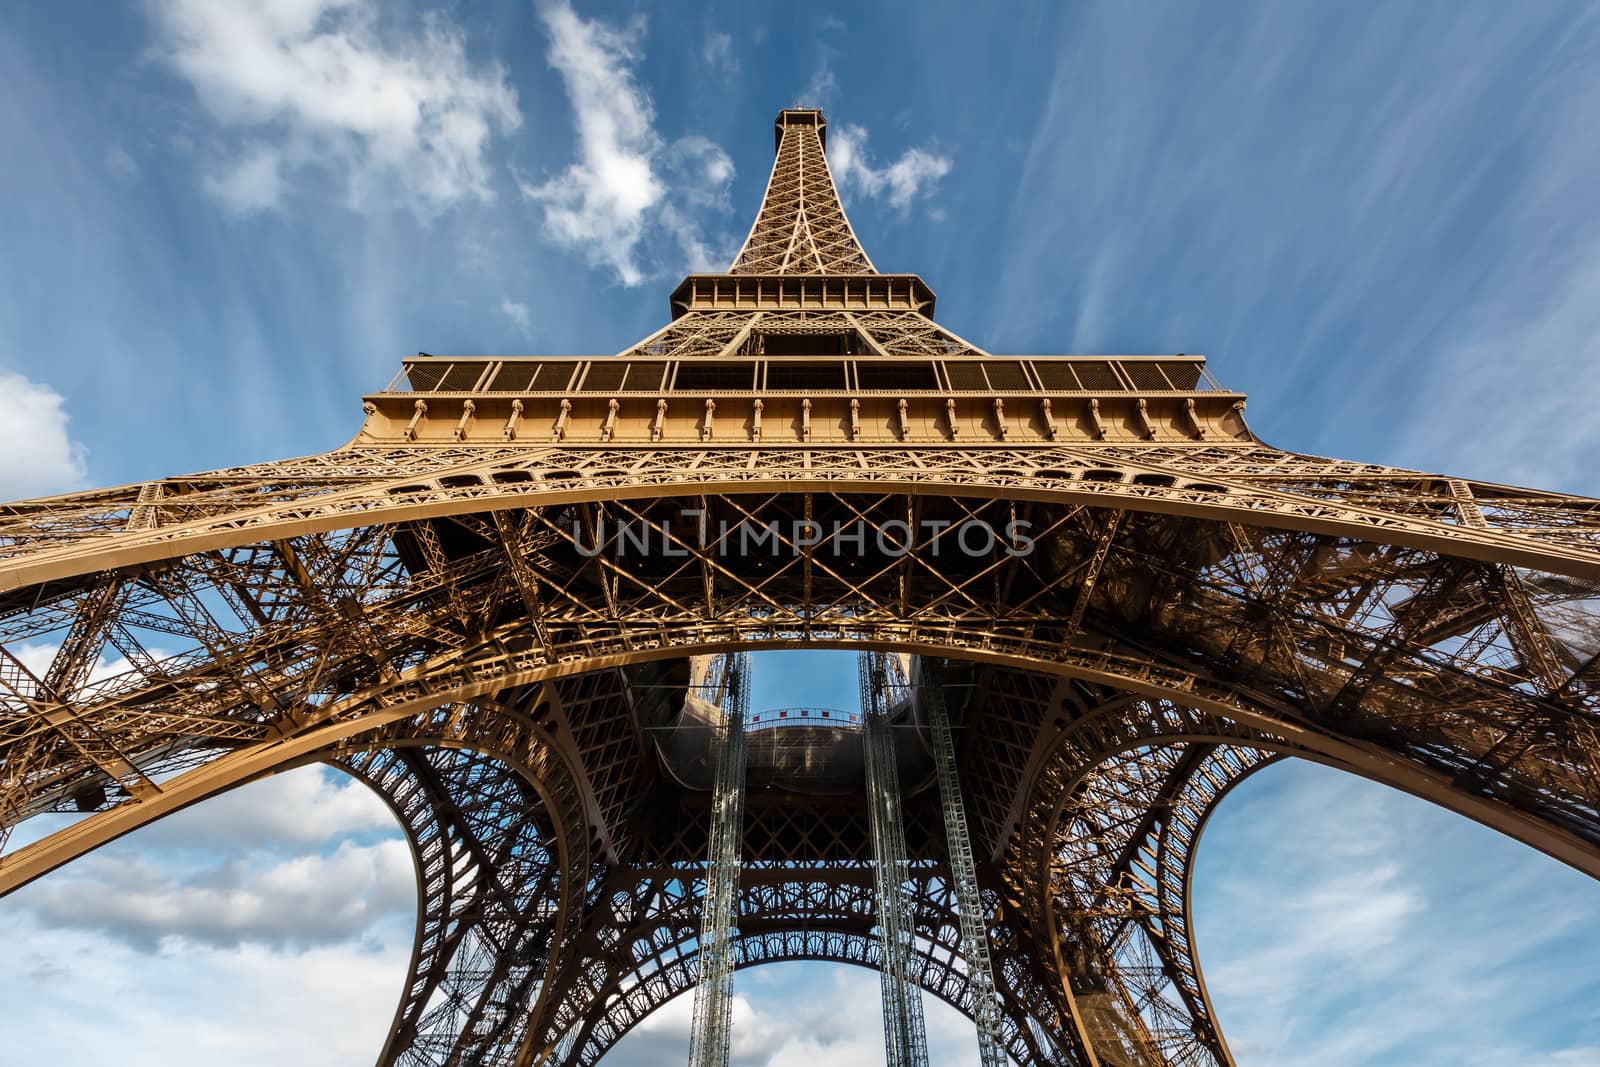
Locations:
419 607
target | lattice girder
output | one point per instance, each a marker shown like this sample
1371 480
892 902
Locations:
444 615
650 956
826 917
1331 656
496 827
54 540
801 227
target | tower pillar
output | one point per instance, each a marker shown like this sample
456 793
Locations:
711 1036
963 874
904 1032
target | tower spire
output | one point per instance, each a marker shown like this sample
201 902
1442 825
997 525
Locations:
801 227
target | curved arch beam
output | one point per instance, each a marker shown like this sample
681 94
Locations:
648 953
1118 921
817 945
491 900
1103 865
1176 852
1235 712
1356 639
57 538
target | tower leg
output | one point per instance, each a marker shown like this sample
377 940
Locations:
711 1036
904 1033
974 939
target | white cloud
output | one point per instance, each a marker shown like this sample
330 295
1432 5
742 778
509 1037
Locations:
304 901
73 996
625 182
799 1015
120 162
37 657
308 857
703 170
519 313
38 457
287 812
701 173
718 53
1504 370
253 182
294 895
914 174
600 202
823 85
1394 933
324 84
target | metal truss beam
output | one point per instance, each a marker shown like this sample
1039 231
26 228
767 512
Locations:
427 608
904 1032
963 874
801 227
828 916
710 1036
64 537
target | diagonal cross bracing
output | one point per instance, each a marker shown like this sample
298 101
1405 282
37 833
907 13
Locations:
801 227
428 594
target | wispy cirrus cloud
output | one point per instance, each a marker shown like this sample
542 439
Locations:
1523 366
628 187
518 313
719 55
1393 253
1396 933
331 86
914 174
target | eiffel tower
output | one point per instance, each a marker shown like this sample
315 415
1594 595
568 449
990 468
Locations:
1087 600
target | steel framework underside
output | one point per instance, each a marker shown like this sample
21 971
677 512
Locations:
1161 614
1128 670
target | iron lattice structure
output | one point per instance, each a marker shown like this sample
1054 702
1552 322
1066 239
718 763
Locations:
445 608
905 1035
712 1031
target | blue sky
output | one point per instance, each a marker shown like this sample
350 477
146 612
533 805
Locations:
223 224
